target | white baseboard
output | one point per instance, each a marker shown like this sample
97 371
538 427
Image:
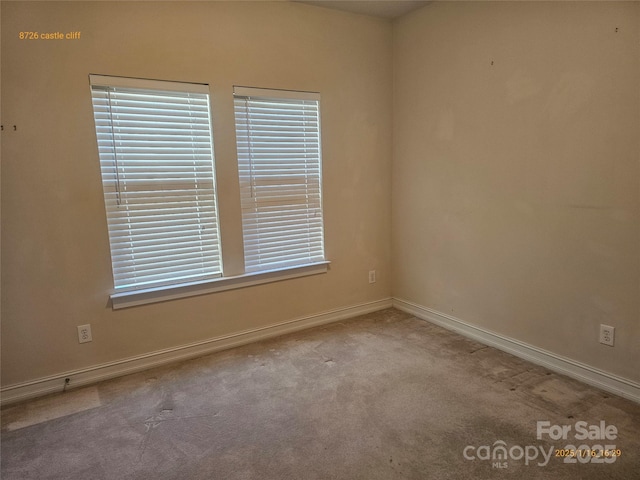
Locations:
571 368
86 376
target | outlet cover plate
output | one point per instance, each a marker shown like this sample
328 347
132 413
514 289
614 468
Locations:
607 335
84 333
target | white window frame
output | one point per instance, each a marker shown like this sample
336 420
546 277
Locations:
155 146
279 150
216 282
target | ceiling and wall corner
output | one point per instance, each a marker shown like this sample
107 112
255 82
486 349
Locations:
383 8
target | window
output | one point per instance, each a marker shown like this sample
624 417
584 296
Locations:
279 163
155 145
156 158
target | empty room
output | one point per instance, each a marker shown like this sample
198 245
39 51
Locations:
320 240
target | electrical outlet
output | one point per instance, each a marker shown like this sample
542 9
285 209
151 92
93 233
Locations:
372 276
84 333
607 334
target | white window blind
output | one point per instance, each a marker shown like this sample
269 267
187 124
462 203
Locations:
156 158
280 169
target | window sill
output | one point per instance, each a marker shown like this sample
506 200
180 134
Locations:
163 294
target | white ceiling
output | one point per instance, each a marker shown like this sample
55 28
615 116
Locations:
379 8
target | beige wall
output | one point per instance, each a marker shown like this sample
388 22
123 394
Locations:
56 271
516 185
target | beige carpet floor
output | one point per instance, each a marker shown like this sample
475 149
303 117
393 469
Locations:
382 396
